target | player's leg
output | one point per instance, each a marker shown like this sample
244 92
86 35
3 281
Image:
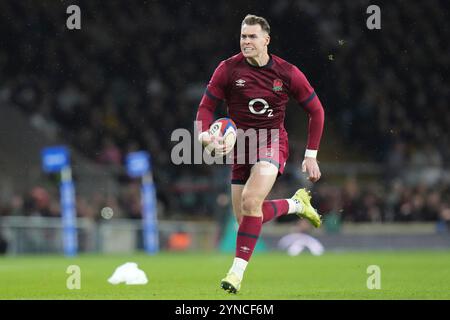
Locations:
239 176
262 177
271 209
236 196
299 204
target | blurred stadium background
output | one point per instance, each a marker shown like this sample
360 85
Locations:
136 71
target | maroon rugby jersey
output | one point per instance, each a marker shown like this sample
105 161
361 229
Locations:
256 97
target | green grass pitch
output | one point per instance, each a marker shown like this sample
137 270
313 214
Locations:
187 276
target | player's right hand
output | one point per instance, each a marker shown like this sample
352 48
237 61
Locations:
217 143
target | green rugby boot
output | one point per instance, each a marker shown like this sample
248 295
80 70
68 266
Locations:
307 212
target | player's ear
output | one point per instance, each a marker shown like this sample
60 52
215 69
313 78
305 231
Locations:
267 40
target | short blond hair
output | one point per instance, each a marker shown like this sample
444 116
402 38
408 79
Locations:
251 20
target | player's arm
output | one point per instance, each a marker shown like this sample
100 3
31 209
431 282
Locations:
308 99
214 94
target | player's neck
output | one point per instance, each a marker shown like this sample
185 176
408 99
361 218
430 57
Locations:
259 61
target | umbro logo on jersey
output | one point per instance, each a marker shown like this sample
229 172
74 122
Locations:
240 83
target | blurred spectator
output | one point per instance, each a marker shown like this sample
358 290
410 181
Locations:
109 153
38 203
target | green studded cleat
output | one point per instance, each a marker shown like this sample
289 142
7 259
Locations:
231 283
308 211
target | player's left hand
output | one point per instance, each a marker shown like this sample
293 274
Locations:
311 167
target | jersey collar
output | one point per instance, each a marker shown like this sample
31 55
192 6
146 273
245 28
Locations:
267 65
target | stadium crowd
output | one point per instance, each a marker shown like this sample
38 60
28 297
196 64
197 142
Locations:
134 73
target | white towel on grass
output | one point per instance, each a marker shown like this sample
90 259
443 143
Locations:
129 273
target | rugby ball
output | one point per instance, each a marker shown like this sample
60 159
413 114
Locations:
226 128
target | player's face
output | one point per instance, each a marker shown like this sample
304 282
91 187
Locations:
254 41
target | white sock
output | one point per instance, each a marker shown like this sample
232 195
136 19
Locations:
294 206
238 267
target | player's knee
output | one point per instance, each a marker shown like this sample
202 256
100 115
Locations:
251 204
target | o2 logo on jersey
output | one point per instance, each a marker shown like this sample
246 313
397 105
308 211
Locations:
265 108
